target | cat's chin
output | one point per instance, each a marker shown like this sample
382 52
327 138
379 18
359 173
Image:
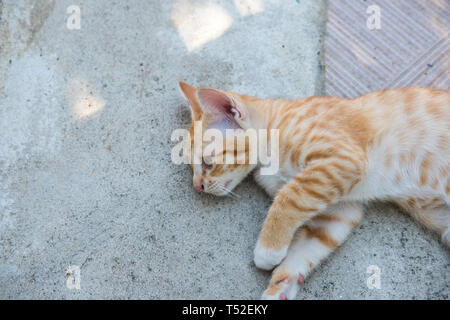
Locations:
223 193
219 194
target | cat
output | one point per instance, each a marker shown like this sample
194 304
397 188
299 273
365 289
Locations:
335 155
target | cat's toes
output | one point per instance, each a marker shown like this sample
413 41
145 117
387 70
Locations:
284 289
267 259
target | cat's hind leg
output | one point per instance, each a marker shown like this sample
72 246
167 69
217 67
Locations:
433 213
312 242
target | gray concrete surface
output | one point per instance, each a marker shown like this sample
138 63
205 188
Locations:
85 171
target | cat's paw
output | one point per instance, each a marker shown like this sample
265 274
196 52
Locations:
283 286
267 259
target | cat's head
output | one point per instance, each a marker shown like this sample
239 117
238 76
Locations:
218 110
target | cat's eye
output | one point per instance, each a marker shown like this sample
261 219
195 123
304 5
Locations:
207 164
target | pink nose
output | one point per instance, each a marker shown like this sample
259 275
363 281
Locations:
200 188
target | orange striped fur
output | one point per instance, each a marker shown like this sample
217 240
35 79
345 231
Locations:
335 154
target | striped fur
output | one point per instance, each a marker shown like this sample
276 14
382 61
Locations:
334 155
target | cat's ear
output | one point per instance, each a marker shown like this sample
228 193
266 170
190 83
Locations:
221 105
190 93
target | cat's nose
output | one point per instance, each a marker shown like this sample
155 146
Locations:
200 188
198 183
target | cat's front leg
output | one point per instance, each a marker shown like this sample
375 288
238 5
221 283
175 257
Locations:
285 216
309 193
312 243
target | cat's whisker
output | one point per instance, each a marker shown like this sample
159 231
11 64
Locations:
231 193
213 186
233 196
218 187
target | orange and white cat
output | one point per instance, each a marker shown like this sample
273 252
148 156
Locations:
335 154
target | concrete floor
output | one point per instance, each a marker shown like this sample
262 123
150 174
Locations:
85 173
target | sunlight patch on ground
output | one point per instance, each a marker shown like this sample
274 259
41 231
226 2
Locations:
249 7
85 102
198 23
